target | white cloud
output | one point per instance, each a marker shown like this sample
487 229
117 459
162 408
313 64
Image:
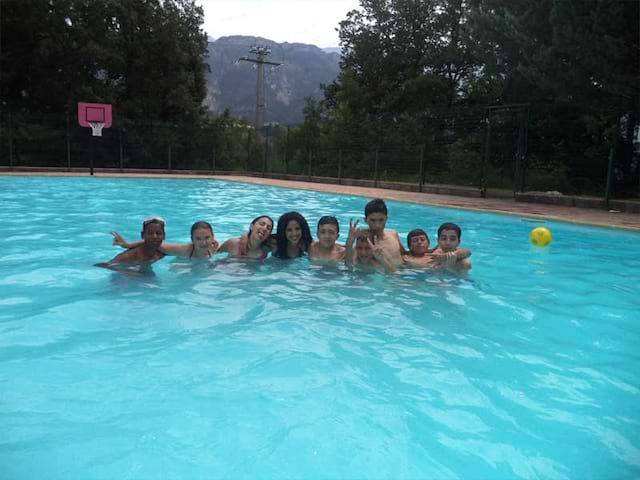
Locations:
302 21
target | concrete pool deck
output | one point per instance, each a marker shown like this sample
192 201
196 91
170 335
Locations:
586 216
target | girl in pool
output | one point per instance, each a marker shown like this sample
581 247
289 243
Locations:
203 243
293 237
253 245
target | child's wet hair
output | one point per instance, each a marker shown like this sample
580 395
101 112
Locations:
199 225
329 220
281 233
450 226
150 221
362 236
416 233
376 205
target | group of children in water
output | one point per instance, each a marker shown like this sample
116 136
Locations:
373 247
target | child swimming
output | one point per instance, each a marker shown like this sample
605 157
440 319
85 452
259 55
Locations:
366 252
253 245
420 256
143 254
375 215
449 235
293 237
325 248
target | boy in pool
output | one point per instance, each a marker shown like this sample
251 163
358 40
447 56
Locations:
420 256
375 215
449 235
143 255
367 253
325 248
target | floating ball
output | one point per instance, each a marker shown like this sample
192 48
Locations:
540 237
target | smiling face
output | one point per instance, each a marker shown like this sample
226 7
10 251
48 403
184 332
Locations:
202 239
153 234
293 232
261 229
327 235
448 240
418 245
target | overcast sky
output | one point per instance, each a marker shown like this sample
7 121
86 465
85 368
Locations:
293 21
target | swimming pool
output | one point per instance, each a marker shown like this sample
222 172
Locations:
527 369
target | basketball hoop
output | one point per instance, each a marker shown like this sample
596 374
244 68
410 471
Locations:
96 128
94 115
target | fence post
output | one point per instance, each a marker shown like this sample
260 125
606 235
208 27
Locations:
607 192
10 140
375 169
340 167
286 154
485 157
68 146
121 149
421 174
266 151
248 150
518 181
309 172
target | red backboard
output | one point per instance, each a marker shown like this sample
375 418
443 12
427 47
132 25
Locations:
93 113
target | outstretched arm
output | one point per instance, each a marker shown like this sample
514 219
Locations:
121 242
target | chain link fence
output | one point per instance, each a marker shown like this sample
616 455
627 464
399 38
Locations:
488 149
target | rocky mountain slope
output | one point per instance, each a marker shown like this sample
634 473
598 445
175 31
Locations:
232 84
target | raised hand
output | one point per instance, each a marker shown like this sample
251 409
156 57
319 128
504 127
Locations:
378 252
353 230
118 240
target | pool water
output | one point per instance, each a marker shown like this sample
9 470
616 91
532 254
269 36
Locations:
528 368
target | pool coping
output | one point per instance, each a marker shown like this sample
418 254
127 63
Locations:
505 206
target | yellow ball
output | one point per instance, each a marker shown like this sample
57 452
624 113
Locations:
540 237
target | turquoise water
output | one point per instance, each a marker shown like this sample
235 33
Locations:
526 369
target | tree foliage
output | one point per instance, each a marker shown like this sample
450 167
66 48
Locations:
145 56
575 63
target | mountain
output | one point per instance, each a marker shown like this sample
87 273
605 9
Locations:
232 83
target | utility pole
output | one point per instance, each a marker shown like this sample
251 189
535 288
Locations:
261 53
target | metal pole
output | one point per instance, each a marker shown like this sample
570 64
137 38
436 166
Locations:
375 169
517 175
93 149
485 158
310 157
169 157
213 160
10 140
248 150
266 151
121 149
286 154
607 192
68 146
421 174
525 148
339 166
